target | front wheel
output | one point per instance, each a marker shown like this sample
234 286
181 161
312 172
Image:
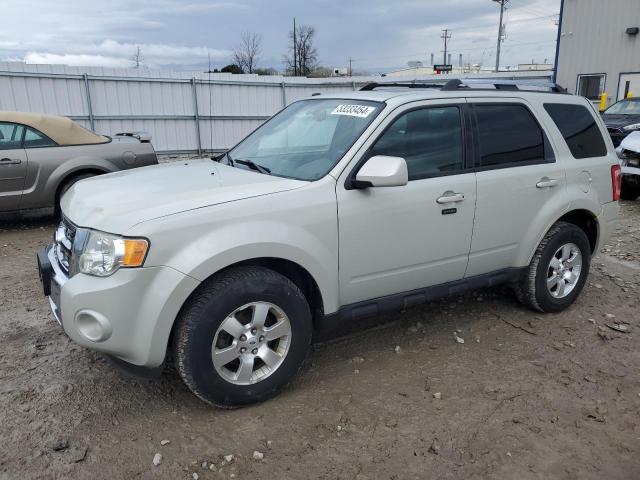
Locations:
558 271
242 336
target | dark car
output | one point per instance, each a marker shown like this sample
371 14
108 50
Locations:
622 118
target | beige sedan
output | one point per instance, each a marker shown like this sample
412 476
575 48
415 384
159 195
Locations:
41 156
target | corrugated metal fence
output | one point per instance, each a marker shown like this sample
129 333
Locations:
185 112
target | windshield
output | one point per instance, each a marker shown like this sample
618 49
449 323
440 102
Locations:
625 107
306 139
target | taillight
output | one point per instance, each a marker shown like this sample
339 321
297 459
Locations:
616 181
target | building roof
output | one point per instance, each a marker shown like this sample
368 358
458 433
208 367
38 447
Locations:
61 130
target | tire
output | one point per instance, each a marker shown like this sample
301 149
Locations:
532 290
200 323
66 185
630 191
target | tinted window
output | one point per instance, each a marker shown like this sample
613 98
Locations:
579 129
430 140
10 136
508 134
34 139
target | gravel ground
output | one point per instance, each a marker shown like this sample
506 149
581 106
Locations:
526 396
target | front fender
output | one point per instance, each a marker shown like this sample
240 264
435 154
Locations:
202 242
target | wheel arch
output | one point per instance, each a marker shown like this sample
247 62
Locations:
587 221
63 180
295 272
51 182
583 218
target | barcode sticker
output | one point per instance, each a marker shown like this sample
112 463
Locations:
361 111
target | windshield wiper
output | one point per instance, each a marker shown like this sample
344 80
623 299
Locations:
229 159
253 165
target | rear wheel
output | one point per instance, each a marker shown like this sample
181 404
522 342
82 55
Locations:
242 336
558 271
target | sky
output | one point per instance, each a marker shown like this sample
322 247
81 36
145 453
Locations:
378 35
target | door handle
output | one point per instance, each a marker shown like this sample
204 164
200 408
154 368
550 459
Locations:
546 182
9 161
450 197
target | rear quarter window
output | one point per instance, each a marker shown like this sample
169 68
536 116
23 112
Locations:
579 129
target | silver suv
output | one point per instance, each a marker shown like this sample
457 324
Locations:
339 207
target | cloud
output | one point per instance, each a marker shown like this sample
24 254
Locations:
377 34
111 53
75 60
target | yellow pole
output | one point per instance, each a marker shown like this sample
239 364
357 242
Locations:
603 101
629 94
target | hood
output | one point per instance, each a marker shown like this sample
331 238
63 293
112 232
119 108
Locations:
631 142
117 201
620 120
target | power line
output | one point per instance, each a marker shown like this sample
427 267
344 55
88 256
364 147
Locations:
522 6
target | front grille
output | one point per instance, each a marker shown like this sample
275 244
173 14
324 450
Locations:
63 244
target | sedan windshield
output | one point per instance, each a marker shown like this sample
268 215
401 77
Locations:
625 107
306 139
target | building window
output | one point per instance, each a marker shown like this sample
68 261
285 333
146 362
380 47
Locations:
591 86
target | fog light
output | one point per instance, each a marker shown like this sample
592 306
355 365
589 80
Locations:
94 326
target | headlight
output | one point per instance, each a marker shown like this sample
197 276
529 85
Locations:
635 126
104 254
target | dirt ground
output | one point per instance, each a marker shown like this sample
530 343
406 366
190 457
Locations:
527 396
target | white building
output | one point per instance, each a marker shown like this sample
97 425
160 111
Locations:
598 48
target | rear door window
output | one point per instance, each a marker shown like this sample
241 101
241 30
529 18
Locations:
10 136
579 129
35 139
508 135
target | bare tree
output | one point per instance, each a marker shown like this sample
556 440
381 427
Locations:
303 56
246 54
136 58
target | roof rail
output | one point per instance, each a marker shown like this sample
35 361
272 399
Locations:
467 84
413 84
513 85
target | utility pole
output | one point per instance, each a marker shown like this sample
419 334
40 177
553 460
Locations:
502 3
350 74
295 53
445 36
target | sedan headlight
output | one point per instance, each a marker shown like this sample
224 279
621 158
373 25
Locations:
104 253
635 126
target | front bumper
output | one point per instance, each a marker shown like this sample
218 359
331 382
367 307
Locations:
128 315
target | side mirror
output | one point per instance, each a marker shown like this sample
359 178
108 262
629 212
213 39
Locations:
382 171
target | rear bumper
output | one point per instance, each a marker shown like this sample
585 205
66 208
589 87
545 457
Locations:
630 170
607 222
